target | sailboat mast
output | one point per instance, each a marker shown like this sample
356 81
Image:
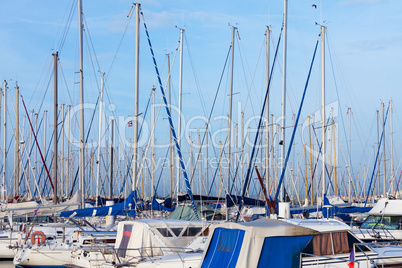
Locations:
334 149
81 142
111 159
3 193
383 147
99 139
230 116
267 116
311 163
17 144
36 148
55 57
241 147
378 145
323 108
391 188
207 159
180 107
285 37
350 159
68 150
153 145
136 92
170 133
62 186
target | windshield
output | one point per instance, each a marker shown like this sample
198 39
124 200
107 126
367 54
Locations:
379 222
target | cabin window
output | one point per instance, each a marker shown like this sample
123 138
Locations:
164 232
192 231
176 231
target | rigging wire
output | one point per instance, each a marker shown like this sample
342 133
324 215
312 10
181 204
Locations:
296 123
259 125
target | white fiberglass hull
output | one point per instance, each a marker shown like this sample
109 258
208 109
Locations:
43 256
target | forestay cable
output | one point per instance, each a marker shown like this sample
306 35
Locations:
188 186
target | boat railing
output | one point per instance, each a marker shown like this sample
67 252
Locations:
144 254
363 252
321 259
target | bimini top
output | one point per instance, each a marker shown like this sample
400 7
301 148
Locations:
387 207
260 243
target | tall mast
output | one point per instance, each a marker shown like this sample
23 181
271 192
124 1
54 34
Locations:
36 149
378 144
267 116
4 152
206 157
230 116
311 164
383 147
82 144
17 144
68 150
136 90
305 171
170 134
272 154
153 145
334 148
323 108
44 129
285 38
180 108
111 159
350 159
55 57
199 164
220 167
392 150
241 147
3 193
63 185
99 139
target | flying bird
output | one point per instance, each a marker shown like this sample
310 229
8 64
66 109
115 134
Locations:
314 5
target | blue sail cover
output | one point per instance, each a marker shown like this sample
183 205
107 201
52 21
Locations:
331 210
162 206
124 208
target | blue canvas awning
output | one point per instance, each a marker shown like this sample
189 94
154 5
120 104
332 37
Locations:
124 208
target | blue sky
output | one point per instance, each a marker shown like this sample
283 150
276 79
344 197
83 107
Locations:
364 37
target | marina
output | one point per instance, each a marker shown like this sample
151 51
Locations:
236 134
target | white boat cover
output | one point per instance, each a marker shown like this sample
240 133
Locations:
147 238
